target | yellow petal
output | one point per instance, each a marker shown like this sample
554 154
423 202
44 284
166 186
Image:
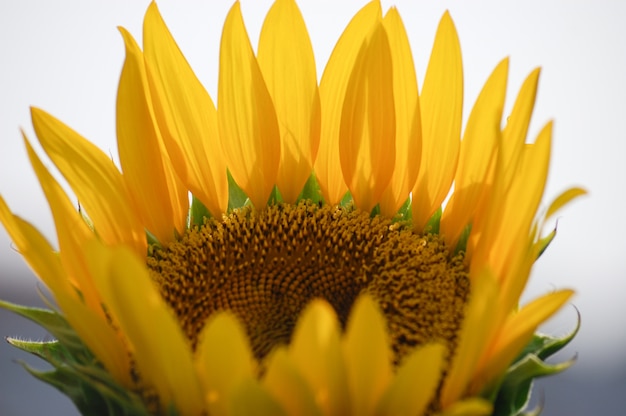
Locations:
224 360
415 382
247 120
563 199
514 134
288 386
94 179
72 233
441 105
160 350
367 355
250 398
286 60
317 335
161 200
186 116
36 251
475 333
367 147
516 334
408 122
332 92
469 407
91 328
478 154
506 229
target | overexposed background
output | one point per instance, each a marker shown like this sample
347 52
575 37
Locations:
65 57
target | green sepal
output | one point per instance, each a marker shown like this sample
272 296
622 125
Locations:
404 214
76 372
50 320
347 201
513 394
275 197
237 198
152 242
545 242
86 218
46 350
544 346
461 245
432 226
198 212
311 191
91 389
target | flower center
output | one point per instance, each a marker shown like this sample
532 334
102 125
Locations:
266 266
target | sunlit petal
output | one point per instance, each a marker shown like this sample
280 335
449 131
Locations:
288 66
478 155
407 113
160 199
247 120
367 147
95 180
186 116
332 93
72 233
441 105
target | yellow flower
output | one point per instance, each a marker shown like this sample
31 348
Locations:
315 271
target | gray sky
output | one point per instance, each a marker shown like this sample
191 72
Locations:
66 56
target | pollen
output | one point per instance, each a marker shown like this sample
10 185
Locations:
266 265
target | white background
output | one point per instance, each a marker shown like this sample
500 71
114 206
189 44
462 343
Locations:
66 56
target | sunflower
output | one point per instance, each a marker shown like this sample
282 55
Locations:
290 252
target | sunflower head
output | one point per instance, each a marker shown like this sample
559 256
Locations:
334 247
